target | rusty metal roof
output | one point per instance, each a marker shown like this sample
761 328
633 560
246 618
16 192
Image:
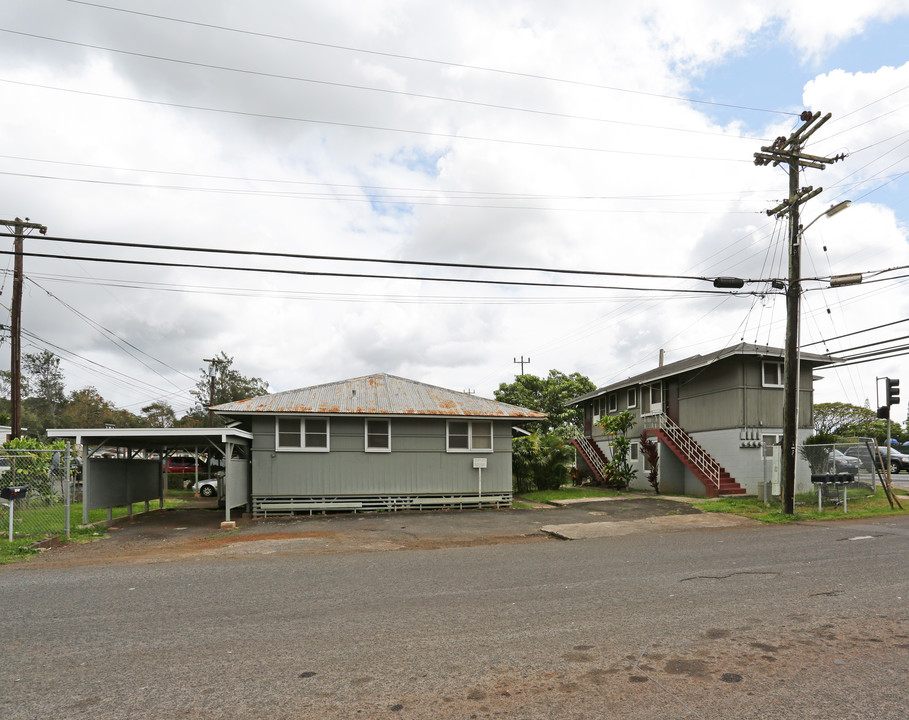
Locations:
379 394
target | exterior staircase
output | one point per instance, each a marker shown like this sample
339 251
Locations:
592 455
715 478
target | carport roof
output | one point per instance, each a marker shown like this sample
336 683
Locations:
153 438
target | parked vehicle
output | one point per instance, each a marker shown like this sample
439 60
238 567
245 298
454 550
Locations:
844 463
206 488
898 461
181 464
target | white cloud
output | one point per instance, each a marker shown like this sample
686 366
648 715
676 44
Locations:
639 199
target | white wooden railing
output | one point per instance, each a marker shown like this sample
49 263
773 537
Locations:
692 451
591 452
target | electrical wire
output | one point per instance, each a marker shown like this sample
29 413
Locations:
316 273
512 73
349 86
377 128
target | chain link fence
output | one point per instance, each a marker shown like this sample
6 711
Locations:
45 484
860 457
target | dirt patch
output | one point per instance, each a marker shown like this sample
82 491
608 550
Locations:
182 534
193 531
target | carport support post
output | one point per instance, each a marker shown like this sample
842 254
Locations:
67 491
222 486
86 482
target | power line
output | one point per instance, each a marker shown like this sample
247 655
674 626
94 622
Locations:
349 86
459 299
360 126
387 261
110 335
316 273
427 60
437 192
378 200
857 332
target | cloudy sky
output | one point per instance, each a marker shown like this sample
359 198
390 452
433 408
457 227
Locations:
604 137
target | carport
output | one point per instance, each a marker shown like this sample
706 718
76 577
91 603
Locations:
132 476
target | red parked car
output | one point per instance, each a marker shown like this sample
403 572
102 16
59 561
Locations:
180 464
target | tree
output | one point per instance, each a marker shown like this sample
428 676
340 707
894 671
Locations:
44 385
618 472
159 414
548 395
225 384
86 408
540 462
839 418
651 452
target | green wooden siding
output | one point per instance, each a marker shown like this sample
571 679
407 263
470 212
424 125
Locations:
417 463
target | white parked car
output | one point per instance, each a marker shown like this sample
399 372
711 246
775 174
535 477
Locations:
206 488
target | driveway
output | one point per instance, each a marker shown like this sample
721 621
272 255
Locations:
193 530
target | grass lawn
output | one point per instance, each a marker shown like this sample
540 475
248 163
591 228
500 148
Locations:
862 503
31 524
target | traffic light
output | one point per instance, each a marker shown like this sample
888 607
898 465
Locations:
893 391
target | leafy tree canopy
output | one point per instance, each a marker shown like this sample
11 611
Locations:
224 384
159 414
548 395
839 418
85 408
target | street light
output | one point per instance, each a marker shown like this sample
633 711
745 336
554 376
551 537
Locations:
792 380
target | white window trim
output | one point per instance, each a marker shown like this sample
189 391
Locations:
366 447
470 448
302 447
649 390
632 402
779 374
613 402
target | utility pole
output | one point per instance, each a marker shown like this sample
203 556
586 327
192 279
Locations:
521 362
788 152
211 390
18 227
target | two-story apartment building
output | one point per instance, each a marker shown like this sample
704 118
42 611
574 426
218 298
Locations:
716 419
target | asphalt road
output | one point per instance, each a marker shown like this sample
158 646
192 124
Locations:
798 621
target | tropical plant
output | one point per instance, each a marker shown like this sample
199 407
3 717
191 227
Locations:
652 456
618 472
540 462
818 451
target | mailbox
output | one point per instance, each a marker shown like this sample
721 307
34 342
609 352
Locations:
13 492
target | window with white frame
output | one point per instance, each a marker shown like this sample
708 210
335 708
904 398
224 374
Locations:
656 394
297 433
613 402
633 451
378 435
772 374
632 398
469 436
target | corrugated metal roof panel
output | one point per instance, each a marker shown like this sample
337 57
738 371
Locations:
379 394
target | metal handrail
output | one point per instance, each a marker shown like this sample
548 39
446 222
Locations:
694 452
591 454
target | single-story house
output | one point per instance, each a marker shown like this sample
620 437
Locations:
716 419
376 442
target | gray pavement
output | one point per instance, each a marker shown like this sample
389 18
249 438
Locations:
755 622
